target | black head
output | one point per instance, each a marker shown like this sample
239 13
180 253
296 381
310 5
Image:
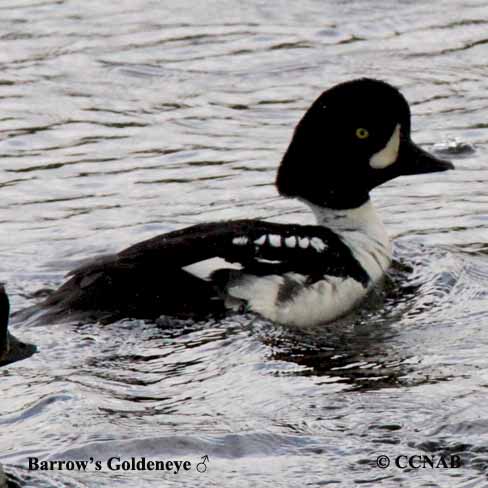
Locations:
354 137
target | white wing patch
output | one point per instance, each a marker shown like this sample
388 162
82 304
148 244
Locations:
388 155
203 269
291 242
318 244
303 242
240 241
268 261
274 240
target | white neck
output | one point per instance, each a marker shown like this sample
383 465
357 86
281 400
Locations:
363 231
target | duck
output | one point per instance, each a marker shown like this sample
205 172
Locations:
353 138
11 348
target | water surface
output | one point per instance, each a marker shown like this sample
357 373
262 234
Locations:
121 120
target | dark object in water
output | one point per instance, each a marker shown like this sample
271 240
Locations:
9 480
11 348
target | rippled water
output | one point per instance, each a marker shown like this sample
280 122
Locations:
121 120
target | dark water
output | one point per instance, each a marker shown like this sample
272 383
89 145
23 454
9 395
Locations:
121 120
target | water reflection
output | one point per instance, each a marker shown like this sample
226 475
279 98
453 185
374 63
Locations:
120 122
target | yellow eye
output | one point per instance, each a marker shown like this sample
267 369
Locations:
362 133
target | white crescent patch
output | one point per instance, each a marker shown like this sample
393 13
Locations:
388 155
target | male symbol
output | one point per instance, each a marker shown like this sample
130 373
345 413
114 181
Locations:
201 466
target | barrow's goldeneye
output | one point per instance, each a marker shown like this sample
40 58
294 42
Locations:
354 137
